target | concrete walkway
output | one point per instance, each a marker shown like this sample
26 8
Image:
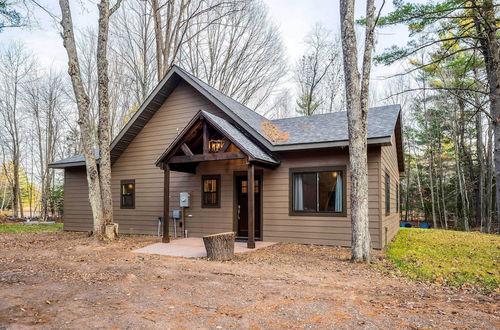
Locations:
192 247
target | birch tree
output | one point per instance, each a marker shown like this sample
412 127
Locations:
44 97
16 65
99 180
356 89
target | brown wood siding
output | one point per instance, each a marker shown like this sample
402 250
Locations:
138 162
205 221
389 161
77 213
329 230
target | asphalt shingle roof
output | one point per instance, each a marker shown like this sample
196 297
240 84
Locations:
331 127
240 138
77 159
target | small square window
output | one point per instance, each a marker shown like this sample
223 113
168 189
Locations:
210 191
127 194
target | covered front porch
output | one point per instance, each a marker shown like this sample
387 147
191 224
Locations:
208 139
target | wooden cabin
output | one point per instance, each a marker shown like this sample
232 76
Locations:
188 137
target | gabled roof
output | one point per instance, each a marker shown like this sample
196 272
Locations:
242 141
317 131
246 145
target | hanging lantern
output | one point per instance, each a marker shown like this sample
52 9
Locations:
215 145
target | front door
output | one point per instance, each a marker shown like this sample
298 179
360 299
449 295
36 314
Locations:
242 206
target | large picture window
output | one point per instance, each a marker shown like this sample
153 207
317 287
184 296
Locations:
210 185
127 194
317 191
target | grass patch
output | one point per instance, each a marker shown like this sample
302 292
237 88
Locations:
454 258
23 229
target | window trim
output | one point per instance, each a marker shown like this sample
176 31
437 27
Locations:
124 182
217 179
387 193
292 171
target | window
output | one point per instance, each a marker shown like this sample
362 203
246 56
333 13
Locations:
244 186
317 191
210 187
387 194
127 194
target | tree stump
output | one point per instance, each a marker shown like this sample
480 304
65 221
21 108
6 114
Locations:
220 246
111 231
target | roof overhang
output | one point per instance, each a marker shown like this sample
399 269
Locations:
382 141
399 144
245 145
64 165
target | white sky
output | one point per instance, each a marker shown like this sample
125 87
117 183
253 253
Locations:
295 18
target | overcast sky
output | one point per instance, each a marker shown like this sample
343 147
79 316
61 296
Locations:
295 18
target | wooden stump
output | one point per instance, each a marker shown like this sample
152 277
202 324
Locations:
220 246
111 231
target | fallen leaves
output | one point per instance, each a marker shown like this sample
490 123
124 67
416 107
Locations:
273 132
282 286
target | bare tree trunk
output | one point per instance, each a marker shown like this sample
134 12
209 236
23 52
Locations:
408 171
441 184
489 181
16 158
4 195
461 181
158 38
482 170
357 88
83 105
104 131
419 186
431 181
491 54
99 180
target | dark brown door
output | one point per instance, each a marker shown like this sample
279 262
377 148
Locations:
242 206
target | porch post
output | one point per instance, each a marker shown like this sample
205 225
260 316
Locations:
251 206
166 200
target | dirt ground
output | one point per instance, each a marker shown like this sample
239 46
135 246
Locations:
67 280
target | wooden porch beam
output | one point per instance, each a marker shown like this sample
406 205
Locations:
251 206
206 157
166 201
205 138
186 150
224 147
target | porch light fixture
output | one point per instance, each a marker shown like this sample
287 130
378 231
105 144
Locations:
215 145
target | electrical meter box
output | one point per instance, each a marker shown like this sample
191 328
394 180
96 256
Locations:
184 199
